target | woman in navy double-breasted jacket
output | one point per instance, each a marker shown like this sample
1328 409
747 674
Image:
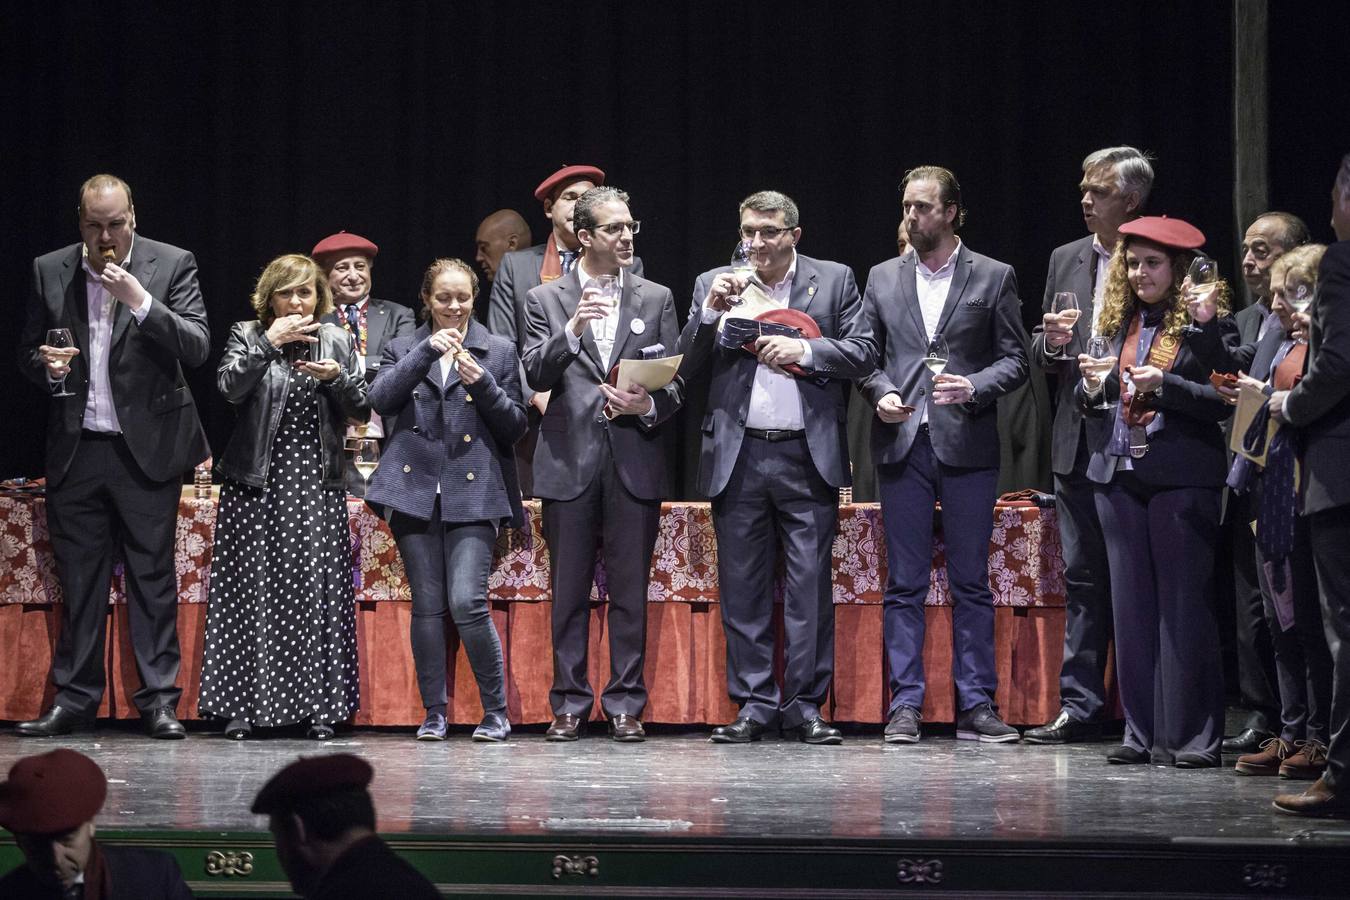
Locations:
448 475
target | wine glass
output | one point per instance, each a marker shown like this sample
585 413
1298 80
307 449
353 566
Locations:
742 265
1065 305
1299 296
61 338
366 457
1204 277
937 354
1099 348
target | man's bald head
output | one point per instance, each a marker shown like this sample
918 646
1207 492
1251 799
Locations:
500 232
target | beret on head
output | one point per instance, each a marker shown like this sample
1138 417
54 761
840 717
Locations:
344 243
52 793
566 175
309 777
1169 232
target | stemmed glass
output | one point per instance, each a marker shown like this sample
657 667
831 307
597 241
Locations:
1099 349
937 354
1065 305
609 292
366 457
61 338
1204 277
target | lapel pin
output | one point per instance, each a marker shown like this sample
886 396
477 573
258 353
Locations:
637 326
811 291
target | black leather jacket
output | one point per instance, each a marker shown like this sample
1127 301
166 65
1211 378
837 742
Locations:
253 375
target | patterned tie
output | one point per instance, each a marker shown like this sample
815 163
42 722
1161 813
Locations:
354 325
569 259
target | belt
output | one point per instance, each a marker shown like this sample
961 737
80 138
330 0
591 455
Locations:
87 435
774 435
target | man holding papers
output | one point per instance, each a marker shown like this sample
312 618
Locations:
602 465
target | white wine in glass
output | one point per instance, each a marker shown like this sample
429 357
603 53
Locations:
1099 348
61 338
366 457
1065 305
936 356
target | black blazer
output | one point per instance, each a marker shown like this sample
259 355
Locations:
458 436
145 362
253 375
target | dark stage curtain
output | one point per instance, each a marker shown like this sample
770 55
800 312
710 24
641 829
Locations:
248 130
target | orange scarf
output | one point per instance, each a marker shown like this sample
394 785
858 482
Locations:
551 270
1162 353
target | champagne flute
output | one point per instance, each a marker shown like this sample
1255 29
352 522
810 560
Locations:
61 338
1099 348
1065 305
936 356
366 457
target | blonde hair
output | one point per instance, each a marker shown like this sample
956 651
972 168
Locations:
1302 261
289 271
1119 299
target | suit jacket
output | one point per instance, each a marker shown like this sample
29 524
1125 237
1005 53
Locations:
145 361
517 275
460 437
1320 403
384 322
1190 449
369 868
845 350
1232 351
982 323
573 427
1071 269
134 874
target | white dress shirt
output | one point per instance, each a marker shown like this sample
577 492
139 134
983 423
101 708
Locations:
100 413
775 399
932 288
1101 257
605 331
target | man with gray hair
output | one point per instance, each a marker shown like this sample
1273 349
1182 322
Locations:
1115 186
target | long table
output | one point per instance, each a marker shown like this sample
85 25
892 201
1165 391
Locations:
686 655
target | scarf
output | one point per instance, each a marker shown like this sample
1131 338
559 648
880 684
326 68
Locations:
1136 420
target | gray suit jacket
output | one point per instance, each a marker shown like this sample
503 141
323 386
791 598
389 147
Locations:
573 428
982 322
828 293
384 322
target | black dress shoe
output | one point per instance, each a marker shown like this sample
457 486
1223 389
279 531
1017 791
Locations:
1249 740
58 720
816 731
1195 761
742 731
626 729
565 727
161 723
1125 755
1065 729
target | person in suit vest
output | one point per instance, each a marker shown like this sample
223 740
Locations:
347 261
1115 186
122 431
602 466
774 456
1319 406
935 438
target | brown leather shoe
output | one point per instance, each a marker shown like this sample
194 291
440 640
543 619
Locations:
1267 760
1318 800
626 729
565 727
1308 763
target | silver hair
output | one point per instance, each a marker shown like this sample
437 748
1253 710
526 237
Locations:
772 202
1134 169
583 214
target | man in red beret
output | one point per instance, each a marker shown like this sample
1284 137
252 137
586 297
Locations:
323 824
348 259
49 802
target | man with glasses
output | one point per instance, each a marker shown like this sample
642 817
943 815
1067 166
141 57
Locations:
601 465
775 454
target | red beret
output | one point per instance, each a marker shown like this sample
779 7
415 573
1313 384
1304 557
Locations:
52 793
794 318
344 243
565 176
312 776
1168 232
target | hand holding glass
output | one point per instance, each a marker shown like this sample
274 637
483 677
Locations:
935 358
1065 305
61 339
1098 364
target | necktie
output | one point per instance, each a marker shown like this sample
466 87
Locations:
569 259
354 325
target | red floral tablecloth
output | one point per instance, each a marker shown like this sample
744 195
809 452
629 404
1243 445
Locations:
1025 562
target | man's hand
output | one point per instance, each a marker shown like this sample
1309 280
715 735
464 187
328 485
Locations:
949 389
779 350
323 370
285 329
593 306
633 402
892 410
1276 406
722 293
57 360
1147 379
1058 329
123 286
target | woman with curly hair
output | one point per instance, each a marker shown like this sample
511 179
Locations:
1159 474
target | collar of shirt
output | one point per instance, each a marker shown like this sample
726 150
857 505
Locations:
89 270
942 271
1102 253
584 275
359 304
781 291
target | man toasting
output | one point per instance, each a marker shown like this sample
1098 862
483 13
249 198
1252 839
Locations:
601 466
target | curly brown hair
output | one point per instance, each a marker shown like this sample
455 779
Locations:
1119 299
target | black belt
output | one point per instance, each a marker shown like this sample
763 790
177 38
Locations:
774 435
87 435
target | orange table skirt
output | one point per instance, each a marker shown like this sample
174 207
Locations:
686 663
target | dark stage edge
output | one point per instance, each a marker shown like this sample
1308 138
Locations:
680 817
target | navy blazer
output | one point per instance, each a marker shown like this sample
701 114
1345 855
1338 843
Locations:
460 437
1189 450
982 323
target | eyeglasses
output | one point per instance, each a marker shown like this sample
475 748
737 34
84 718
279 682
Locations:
768 234
614 229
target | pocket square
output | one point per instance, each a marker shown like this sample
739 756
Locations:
977 302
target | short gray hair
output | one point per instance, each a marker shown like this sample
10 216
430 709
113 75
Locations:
772 202
1134 169
583 214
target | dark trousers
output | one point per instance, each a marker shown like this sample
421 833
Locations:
448 568
1330 535
908 492
624 527
1087 587
106 505
1255 650
776 498
1160 542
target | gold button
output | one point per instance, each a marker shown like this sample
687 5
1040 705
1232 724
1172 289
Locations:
468 438
468 477
468 399
407 468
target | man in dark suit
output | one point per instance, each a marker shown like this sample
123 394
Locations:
1115 186
117 445
49 802
1319 405
498 234
602 465
774 456
348 260
936 438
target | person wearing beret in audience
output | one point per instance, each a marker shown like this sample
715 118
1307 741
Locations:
323 825
1159 468
49 802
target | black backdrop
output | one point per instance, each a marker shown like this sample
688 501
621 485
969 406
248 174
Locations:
251 130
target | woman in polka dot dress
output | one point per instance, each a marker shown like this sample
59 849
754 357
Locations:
281 617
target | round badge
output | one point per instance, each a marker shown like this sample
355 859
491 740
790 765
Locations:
637 326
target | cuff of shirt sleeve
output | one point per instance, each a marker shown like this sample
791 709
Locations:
649 417
805 361
140 312
709 316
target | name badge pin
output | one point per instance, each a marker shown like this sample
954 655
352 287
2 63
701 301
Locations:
637 326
